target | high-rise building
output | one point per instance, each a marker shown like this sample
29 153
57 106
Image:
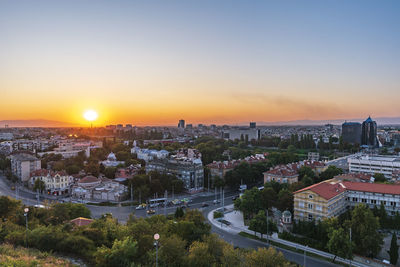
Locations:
351 132
181 124
252 125
368 134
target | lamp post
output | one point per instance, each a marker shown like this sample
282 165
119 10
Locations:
156 237
26 210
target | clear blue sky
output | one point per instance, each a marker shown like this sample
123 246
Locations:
153 62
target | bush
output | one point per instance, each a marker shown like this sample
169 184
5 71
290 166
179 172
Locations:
218 214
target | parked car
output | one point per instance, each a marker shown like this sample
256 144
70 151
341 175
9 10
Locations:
204 204
235 197
215 201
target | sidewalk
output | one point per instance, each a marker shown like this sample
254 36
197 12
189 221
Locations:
237 226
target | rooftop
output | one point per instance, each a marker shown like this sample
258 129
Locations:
325 189
80 221
373 188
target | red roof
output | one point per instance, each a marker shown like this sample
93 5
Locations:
325 189
373 188
80 221
88 179
282 172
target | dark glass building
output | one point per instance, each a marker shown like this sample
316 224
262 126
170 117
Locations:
351 132
368 135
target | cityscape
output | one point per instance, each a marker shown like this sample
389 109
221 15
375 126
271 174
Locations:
204 133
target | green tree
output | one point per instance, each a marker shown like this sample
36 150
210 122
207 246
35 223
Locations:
365 234
285 200
379 178
394 250
172 251
339 244
179 213
250 202
121 254
39 185
330 172
269 197
259 224
306 171
72 169
109 172
266 258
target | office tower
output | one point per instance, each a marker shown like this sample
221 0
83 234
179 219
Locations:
351 132
368 134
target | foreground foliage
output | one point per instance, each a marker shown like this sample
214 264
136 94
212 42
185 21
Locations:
185 240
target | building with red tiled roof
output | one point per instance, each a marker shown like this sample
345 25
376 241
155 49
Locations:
80 221
319 201
332 197
282 174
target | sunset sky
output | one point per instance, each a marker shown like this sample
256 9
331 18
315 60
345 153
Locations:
155 62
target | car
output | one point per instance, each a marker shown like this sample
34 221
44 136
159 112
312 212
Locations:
204 204
235 197
215 201
150 211
141 207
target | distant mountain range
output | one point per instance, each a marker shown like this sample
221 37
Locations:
36 123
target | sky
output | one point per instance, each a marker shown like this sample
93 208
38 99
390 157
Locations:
222 62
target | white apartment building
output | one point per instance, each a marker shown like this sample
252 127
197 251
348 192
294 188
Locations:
374 195
23 164
374 164
57 183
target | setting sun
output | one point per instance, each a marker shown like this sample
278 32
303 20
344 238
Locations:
90 115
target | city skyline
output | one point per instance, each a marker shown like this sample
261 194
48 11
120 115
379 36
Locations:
206 62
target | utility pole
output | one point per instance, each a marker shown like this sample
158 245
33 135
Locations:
37 196
208 180
351 252
131 195
267 229
165 203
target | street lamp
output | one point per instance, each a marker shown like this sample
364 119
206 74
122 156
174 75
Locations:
26 210
156 237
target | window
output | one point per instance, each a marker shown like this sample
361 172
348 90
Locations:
310 196
373 201
310 206
301 204
310 217
318 208
355 199
363 200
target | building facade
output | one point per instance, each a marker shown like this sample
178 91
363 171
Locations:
387 165
351 132
190 171
332 197
56 183
282 174
23 164
369 133
319 201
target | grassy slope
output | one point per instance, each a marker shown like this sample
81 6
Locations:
21 257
